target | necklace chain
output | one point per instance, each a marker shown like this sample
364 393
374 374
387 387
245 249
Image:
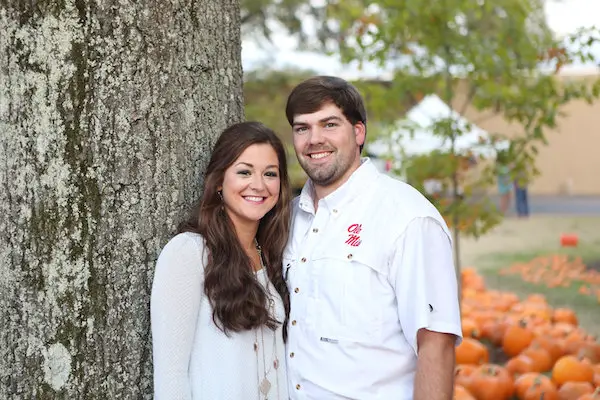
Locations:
264 385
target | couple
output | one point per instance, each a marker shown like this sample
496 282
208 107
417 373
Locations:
359 303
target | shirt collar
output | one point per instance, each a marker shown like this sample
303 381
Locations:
358 183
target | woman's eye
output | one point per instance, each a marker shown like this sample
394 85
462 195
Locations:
271 174
244 172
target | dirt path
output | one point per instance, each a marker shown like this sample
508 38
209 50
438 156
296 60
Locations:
535 233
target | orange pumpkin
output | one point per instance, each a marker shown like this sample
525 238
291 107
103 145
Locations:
462 375
591 396
470 328
596 369
566 315
520 365
460 393
524 381
551 345
542 361
472 351
493 331
587 350
516 339
491 382
572 369
542 388
574 390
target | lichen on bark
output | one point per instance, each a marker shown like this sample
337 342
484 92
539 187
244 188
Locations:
108 111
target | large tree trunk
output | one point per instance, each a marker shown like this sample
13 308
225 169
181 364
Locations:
108 111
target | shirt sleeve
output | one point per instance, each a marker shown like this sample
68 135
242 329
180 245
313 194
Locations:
424 281
174 307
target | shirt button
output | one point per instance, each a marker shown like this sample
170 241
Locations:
294 322
298 387
303 259
292 354
296 290
315 230
349 256
334 210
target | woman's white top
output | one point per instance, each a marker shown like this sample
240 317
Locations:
192 358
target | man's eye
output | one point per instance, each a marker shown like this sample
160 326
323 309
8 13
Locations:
300 129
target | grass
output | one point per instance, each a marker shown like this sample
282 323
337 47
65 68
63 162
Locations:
586 307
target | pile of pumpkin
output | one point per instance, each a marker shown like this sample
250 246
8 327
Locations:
522 349
558 270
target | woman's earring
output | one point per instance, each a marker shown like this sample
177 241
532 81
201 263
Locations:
220 193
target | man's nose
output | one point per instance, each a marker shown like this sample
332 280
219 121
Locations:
316 136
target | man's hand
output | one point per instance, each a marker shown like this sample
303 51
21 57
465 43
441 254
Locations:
434 379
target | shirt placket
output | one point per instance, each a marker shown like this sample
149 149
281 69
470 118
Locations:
302 287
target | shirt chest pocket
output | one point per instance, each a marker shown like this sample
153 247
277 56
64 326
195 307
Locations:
350 293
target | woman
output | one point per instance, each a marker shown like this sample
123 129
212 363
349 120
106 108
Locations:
219 302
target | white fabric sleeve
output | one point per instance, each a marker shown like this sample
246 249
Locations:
424 280
174 306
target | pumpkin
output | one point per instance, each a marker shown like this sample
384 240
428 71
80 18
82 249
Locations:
596 369
524 381
591 396
491 382
552 346
470 328
516 339
460 393
493 331
542 361
462 375
541 388
574 390
566 315
472 351
572 369
520 365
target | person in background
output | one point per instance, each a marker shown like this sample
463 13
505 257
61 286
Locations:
521 195
219 303
503 181
369 266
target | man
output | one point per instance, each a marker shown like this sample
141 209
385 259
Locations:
374 304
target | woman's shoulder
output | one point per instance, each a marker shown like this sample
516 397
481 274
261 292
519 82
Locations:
185 244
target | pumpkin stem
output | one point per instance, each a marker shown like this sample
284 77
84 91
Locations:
523 323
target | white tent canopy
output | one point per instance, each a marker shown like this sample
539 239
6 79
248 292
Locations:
414 134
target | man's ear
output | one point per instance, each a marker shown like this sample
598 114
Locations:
360 132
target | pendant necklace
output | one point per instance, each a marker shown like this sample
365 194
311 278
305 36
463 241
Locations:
264 384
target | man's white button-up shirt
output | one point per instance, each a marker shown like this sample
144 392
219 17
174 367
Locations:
366 270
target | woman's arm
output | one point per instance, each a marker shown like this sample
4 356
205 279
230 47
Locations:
174 307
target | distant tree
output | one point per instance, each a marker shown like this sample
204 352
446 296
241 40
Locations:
483 54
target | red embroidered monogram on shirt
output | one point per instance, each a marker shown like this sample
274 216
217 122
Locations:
354 235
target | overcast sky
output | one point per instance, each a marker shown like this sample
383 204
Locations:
564 17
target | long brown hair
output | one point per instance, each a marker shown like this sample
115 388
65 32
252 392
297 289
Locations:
237 299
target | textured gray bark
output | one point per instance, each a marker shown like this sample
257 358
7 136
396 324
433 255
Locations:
108 111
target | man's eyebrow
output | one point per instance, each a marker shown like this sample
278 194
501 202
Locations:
325 119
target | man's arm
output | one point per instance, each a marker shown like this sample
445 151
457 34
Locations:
428 309
435 365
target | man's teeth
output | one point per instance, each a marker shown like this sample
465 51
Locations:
319 155
252 198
